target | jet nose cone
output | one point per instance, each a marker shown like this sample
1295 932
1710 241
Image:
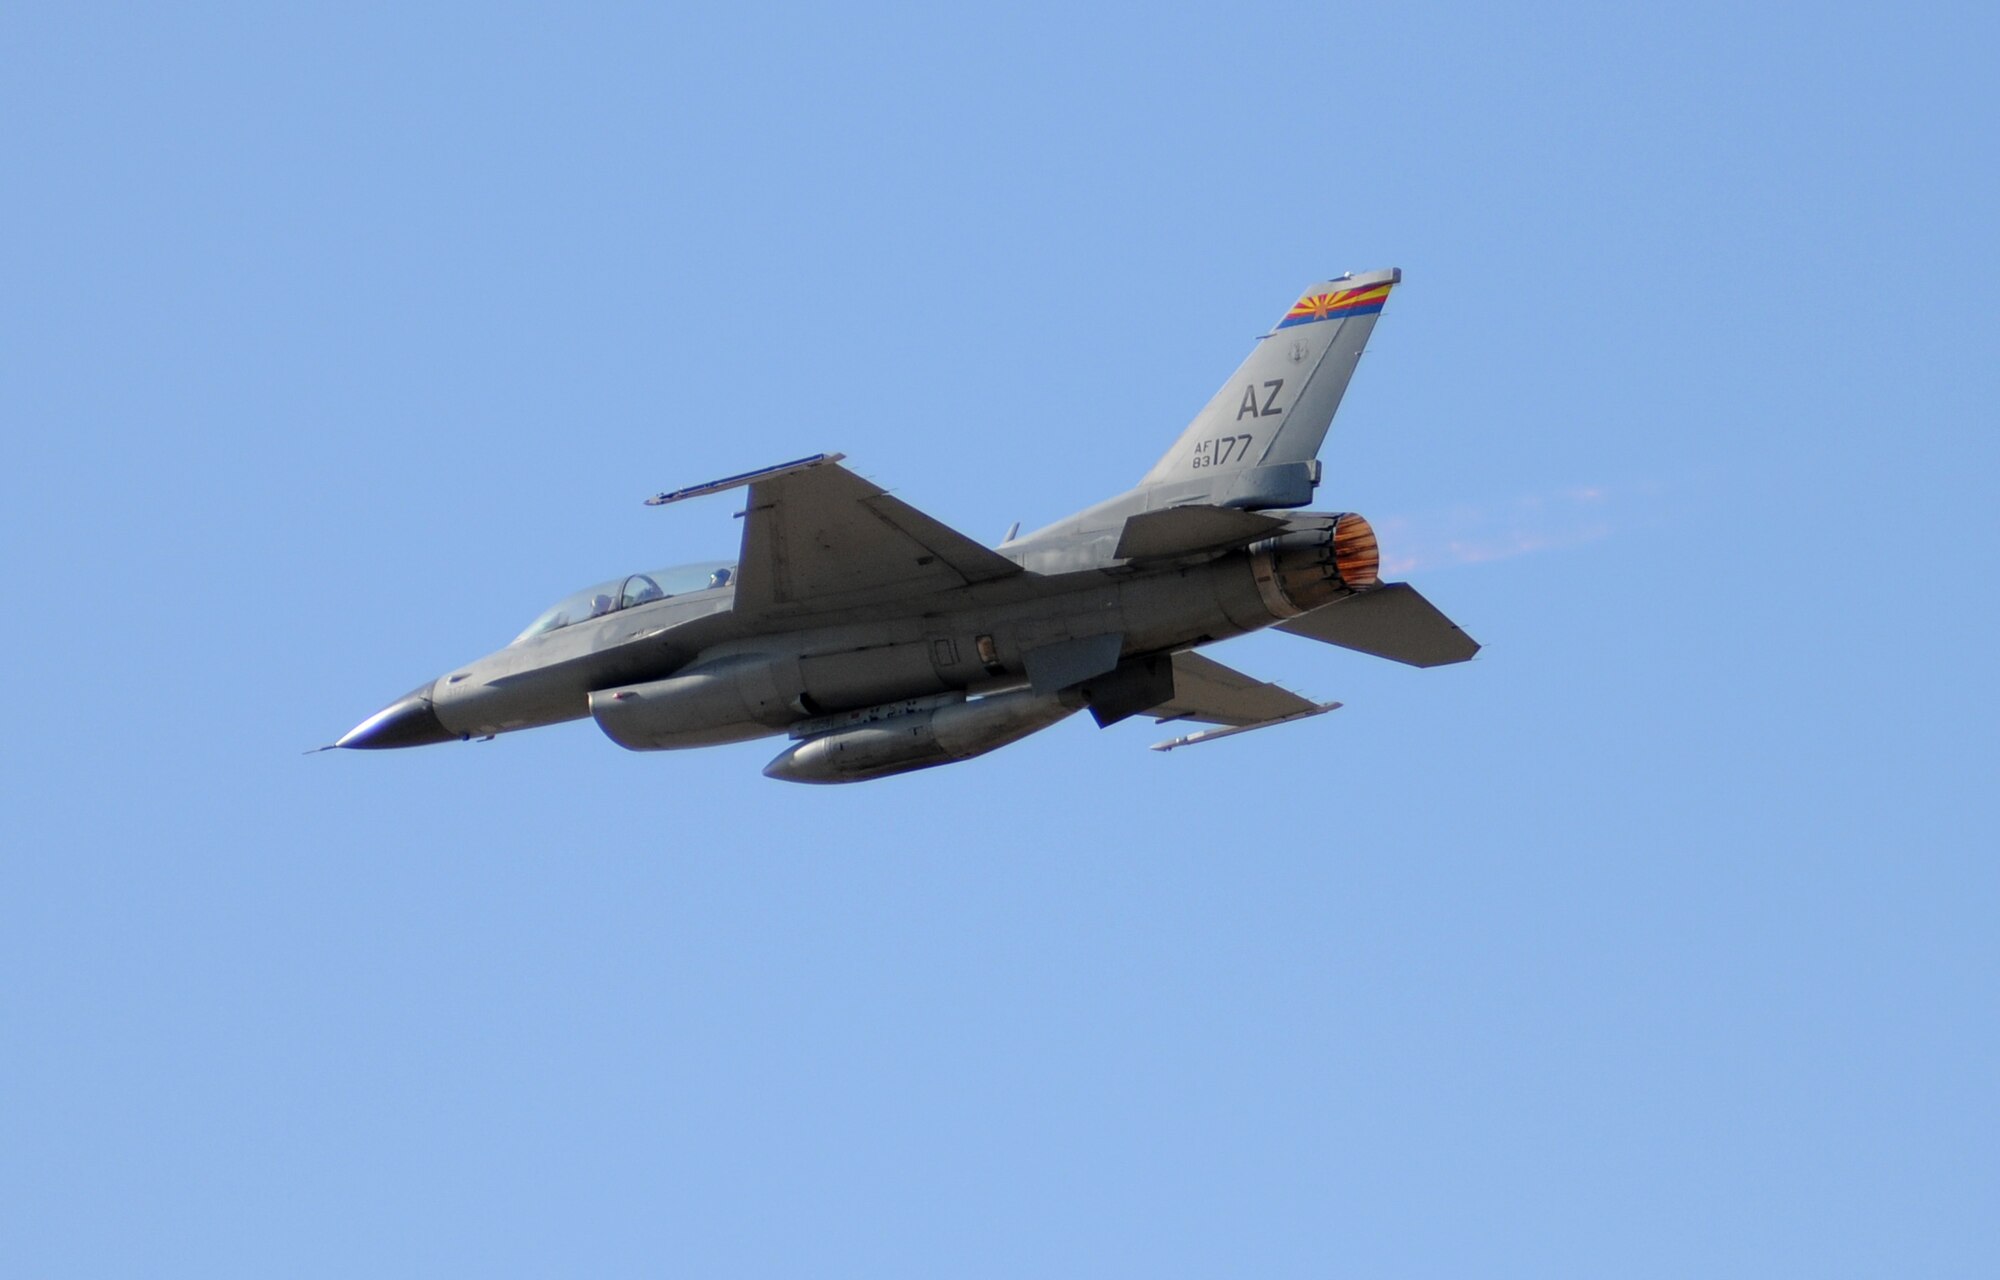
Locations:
409 721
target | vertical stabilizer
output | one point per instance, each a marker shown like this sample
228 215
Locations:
1276 407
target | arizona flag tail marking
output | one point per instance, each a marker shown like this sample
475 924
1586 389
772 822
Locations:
1338 305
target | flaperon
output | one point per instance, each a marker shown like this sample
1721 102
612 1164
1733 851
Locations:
882 641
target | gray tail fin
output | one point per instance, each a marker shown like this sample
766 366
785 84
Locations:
1275 409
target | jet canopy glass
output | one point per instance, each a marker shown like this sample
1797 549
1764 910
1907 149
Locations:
624 593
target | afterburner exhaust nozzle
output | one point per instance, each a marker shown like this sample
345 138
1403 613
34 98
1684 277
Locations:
1319 560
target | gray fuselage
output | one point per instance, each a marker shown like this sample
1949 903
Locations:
971 639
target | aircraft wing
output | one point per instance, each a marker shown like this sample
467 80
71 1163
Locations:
1209 691
1206 690
817 536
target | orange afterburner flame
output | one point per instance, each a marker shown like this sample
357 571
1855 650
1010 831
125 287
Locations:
1356 555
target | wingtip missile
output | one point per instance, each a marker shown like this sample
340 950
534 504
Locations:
1228 731
738 481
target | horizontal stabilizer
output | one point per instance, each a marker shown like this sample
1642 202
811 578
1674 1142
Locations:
1392 622
1181 531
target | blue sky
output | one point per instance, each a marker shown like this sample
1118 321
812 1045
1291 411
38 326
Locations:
1657 941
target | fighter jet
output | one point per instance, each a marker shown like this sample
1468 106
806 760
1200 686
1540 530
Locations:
881 641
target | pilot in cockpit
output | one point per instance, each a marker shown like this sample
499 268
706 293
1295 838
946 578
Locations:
720 578
640 589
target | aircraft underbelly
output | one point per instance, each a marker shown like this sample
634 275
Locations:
862 677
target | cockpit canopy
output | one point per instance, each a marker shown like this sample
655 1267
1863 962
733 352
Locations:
623 593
